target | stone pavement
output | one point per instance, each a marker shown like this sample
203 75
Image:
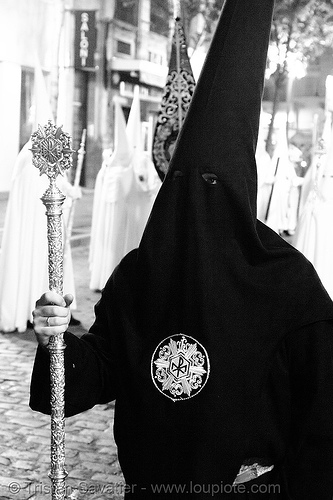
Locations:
91 454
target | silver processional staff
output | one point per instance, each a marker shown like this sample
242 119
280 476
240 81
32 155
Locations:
52 155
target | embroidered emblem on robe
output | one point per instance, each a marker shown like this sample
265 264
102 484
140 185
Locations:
180 367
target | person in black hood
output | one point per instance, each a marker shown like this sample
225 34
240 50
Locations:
214 337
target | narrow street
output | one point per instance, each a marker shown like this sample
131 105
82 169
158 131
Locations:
91 454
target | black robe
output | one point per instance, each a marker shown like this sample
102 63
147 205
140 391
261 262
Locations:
214 336
162 442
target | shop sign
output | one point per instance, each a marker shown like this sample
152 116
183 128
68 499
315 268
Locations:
85 39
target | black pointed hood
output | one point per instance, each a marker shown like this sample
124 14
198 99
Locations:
209 276
203 253
221 130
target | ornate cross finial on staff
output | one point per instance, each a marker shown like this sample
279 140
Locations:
52 155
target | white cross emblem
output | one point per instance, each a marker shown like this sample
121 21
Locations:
180 367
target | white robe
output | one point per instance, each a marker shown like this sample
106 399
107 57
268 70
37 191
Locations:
125 189
146 181
314 232
24 250
265 170
312 175
140 200
283 210
109 219
123 200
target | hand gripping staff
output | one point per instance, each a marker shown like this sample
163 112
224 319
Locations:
52 155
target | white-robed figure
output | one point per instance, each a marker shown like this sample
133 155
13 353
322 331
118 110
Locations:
314 232
318 159
146 181
265 172
125 190
283 210
24 248
109 216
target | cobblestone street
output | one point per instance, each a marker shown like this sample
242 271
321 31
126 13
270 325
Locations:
91 454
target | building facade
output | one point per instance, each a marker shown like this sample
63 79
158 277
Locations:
93 51
90 51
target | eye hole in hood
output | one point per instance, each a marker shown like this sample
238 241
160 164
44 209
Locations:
210 178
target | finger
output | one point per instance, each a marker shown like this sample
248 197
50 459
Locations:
46 327
41 313
54 322
43 334
51 297
68 299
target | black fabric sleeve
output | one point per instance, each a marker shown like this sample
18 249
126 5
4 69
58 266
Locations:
309 464
88 377
90 364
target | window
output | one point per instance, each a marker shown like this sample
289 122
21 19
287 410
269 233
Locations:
159 17
124 48
127 11
155 58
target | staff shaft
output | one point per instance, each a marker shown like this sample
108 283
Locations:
53 200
